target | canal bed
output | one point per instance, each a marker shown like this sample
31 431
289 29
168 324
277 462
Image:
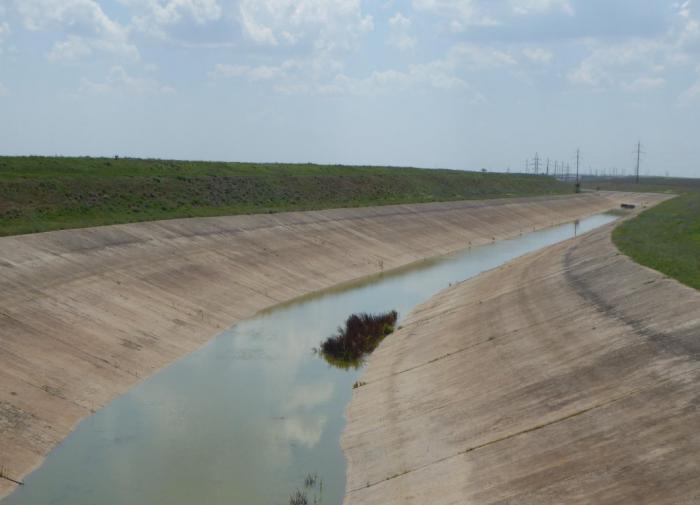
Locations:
244 419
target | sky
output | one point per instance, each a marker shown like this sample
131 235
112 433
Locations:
463 84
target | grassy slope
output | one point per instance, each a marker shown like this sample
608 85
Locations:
41 193
646 184
666 238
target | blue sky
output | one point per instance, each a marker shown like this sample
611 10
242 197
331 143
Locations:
465 84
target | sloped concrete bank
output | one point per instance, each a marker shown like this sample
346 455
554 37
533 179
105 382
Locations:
85 314
568 376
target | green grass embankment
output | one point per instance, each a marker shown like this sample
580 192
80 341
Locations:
50 193
647 184
666 238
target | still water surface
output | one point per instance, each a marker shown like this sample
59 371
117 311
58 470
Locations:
245 418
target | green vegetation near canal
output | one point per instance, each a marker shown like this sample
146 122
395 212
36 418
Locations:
50 193
675 185
666 238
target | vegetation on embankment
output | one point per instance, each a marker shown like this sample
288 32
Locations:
645 184
666 238
361 335
49 193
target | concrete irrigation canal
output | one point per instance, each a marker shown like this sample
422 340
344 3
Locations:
568 376
87 314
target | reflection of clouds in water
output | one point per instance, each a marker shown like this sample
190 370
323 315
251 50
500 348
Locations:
245 355
284 340
304 430
308 396
305 425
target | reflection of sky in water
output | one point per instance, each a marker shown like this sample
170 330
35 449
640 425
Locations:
242 420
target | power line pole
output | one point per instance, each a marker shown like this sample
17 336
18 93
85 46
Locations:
639 154
578 160
547 166
537 163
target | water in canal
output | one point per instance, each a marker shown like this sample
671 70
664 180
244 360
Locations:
245 418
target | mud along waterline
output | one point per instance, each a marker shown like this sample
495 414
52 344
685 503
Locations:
246 417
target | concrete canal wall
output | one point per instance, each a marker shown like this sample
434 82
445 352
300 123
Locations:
568 376
86 314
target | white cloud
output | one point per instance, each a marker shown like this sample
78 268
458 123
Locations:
477 57
539 6
366 24
641 64
465 13
258 73
72 48
165 12
119 81
461 12
644 83
692 94
293 76
325 77
608 65
4 33
691 27
326 23
154 16
80 18
399 27
438 74
260 33
538 54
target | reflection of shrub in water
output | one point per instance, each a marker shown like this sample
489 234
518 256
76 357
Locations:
298 498
312 484
361 335
310 480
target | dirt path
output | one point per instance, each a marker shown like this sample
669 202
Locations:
569 376
86 314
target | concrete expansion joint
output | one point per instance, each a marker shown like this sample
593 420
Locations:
467 348
503 439
437 359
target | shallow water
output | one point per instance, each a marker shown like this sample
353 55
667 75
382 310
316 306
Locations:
245 418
